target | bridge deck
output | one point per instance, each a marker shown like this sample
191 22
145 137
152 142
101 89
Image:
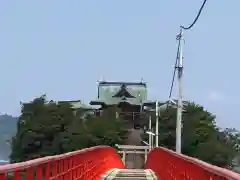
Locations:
128 174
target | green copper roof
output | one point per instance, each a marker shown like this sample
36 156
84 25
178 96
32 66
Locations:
114 93
76 104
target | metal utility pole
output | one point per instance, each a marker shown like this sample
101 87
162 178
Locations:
179 103
157 122
150 135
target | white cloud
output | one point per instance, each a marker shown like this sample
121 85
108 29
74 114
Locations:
215 96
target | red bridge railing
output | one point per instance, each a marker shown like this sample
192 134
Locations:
87 164
91 163
170 165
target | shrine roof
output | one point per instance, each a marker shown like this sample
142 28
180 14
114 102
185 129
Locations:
111 93
76 104
122 82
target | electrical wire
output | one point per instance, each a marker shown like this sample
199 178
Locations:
196 18
178 50
174 74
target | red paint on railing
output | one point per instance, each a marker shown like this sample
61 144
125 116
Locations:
87 164
169 165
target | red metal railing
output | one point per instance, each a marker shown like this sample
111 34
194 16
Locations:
170 165
87 164
92 163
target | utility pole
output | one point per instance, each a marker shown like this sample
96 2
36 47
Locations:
150 135
179 103
157 122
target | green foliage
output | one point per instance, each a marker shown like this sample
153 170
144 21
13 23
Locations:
39 128
201 137
48 128
93 131
106 130
204 140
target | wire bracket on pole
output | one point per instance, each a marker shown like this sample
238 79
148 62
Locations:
180 58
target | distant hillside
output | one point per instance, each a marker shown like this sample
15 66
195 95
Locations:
8 127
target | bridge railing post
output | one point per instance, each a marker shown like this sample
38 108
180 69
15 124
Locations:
145 155
124 157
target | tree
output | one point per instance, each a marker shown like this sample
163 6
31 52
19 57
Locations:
201 137
48 128
39 129
204 140
107 129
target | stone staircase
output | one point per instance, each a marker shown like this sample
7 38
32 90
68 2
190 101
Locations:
128 174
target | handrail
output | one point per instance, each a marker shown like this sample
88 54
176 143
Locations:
88 164
167 163
44 160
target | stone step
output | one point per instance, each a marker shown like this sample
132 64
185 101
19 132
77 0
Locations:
128 174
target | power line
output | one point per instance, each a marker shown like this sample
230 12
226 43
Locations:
196 18
174 73
178 48
179 67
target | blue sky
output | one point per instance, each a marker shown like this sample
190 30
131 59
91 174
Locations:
63 47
